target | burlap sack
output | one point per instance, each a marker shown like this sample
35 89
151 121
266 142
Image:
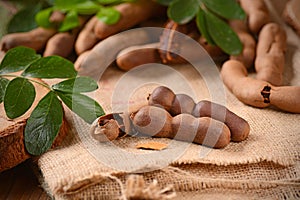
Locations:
266 165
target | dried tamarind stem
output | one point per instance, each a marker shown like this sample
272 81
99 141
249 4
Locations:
270 59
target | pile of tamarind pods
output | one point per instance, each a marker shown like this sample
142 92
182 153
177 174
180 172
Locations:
177 116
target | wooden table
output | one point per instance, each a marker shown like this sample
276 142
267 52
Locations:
21 183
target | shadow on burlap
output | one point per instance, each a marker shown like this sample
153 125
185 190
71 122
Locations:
266 165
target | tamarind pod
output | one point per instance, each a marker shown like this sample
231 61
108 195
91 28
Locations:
248 54
239 127
106 51
270 60
248 90
286 98
131 14
56 17
204 130
257 12
80 59
87 39
182 103
152 121
60 44
35 39
162 97
134 56
157 122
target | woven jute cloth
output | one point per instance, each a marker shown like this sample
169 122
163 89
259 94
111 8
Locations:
266 165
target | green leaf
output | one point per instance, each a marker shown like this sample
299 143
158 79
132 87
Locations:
223 35
18 59
85 107
3 83
18 98
229 9
183 11
42 18
107 2
51 67
109 15
24 20
202 26
164 2
43 125
71 21
86 8
62 4
76 85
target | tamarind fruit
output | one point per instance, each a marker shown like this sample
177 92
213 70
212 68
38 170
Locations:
176 104
62 43
35 39
238 126
256 92
248 53
138 55
132 13
270 59
106 51
157 122
257 12
87 39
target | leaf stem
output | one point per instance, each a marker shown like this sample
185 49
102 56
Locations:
32 80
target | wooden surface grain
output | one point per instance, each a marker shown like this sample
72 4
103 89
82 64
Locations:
21 183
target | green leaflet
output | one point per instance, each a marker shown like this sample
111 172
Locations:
85 107
202 26
76 85
107 2
51 67
229 9
183 11
71 21
18 98
43 125
223 35
42 18
164 2
24 20
3 83
108 15
18 59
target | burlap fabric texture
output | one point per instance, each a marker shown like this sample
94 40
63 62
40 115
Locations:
265 166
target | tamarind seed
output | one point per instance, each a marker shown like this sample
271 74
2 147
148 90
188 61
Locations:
162 97
238 126
152 121
182 104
